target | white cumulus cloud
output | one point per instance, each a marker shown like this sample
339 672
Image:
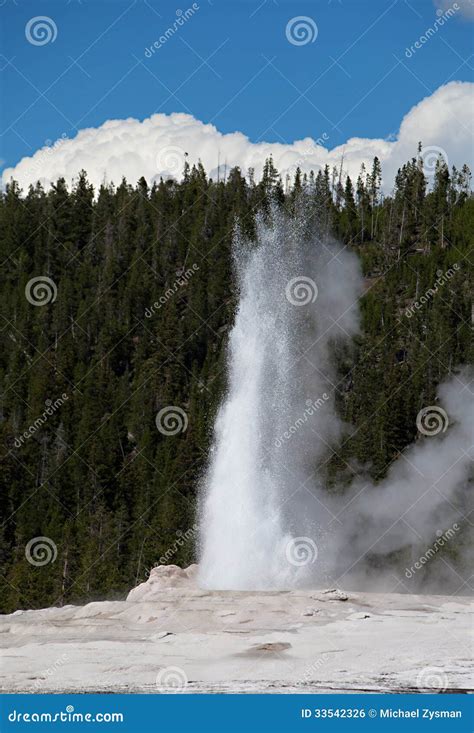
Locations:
156 146
465 7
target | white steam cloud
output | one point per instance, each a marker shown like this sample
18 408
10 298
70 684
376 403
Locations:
426 491
156 146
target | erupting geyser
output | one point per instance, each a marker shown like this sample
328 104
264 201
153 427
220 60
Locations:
266 519
297 294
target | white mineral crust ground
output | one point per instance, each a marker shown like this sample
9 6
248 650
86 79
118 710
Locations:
229 641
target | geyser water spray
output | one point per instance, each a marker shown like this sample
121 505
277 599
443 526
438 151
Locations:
297 295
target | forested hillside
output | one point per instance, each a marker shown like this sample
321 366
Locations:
133 317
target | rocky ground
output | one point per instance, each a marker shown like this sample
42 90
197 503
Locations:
169 635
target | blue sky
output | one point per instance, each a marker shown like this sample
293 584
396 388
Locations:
230 64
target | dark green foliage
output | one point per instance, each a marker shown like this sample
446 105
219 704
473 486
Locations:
145 299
